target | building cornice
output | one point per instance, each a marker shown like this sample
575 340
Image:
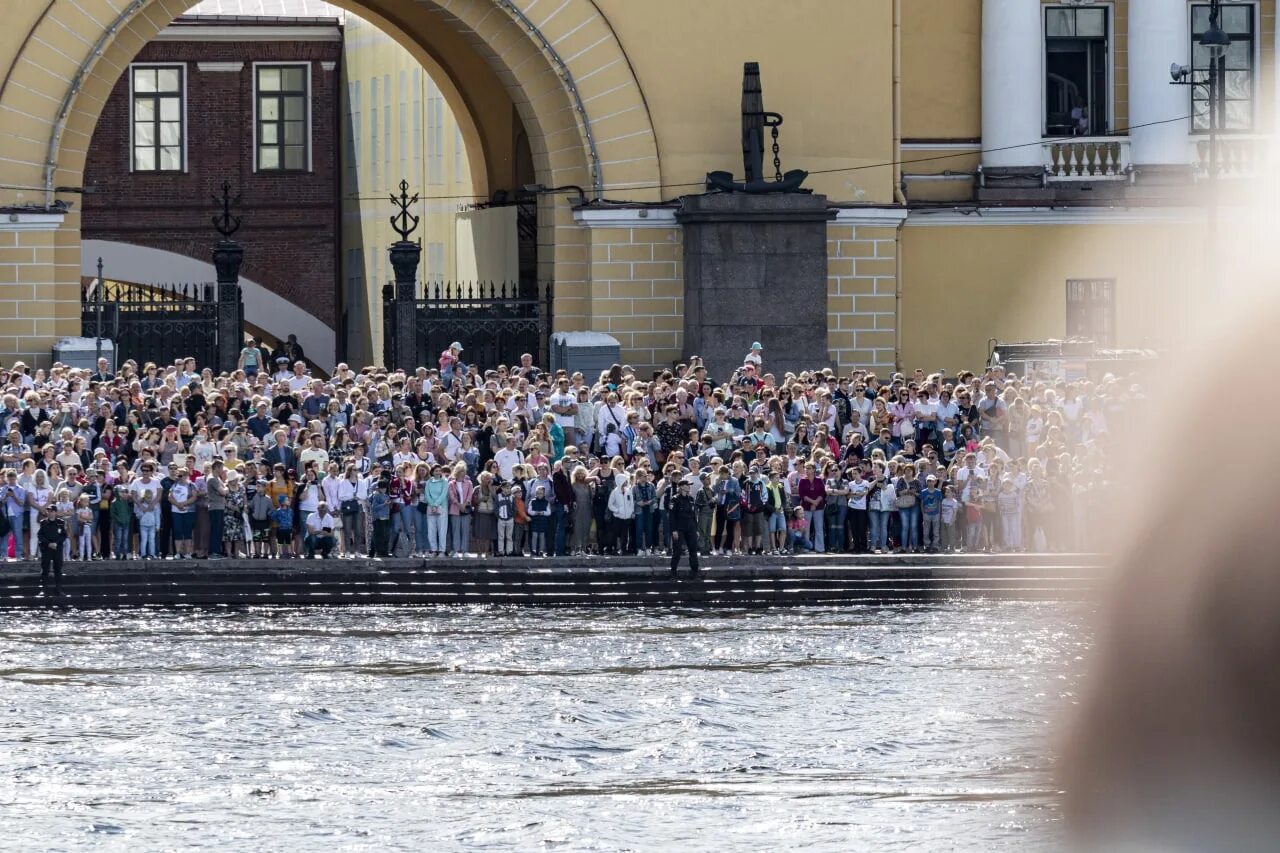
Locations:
225 33
889 217
870 216
625 217
21 220
953 217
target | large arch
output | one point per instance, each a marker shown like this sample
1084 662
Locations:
559 65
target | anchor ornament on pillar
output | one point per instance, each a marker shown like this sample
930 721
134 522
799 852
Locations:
404 202
754 120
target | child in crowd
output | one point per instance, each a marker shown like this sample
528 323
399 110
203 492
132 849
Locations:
121 516
798 532
521 527
949 512
66 510
973 516
1008 502
260 522
505 512
147 508
931 513
282 517
84 521
380 513
539 513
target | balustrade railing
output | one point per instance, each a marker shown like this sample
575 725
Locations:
1087 158
1239 156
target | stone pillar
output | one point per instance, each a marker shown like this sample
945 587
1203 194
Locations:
1012 83
227 257
404 327
755 269
1159 35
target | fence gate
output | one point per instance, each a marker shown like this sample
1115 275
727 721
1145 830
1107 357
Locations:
155 322
496 323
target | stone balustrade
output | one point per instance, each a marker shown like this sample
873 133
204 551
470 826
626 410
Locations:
1087 158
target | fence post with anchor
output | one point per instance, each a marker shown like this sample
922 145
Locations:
227 257
405 255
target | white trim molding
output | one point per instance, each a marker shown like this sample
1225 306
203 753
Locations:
220 66
954 217
267 310
941 146
326 65
21 220
887 217
195 32
625 217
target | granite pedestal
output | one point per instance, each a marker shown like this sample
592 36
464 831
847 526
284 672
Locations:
755 269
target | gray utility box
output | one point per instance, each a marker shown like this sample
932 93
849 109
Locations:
83 352
588 352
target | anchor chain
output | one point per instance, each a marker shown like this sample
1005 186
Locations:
777 160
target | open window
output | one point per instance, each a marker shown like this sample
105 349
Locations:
1077 71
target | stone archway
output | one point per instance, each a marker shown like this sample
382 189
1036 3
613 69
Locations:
560 66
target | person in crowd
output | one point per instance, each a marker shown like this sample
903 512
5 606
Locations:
684 527
321 525
851 450
52 538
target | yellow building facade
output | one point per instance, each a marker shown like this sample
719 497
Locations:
1010 169
398 127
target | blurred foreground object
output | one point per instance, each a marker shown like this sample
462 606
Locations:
1177 744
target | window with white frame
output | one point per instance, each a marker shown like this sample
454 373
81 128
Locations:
1077 70
1239 24
283 100
159 114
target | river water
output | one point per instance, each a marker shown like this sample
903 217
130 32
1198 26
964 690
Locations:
923 728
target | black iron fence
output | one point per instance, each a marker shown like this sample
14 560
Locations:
496 323
154 322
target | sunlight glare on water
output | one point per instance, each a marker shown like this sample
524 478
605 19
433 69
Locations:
386 729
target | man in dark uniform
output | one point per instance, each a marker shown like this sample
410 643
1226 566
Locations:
684 527
52 535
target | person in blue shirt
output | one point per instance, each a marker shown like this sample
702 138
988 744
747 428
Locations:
931 512
282 517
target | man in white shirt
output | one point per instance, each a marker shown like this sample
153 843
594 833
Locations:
299 378
320 527
449 445
315 453
507 458
564 404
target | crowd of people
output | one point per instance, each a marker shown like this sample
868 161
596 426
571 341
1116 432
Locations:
176 462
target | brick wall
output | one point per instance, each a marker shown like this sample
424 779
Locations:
862 295
290 228
637 292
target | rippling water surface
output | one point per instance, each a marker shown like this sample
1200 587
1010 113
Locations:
376 729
